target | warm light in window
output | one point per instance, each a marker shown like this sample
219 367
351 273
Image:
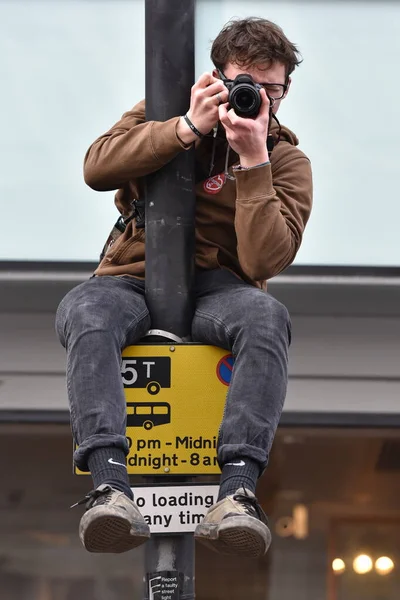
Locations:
384 565
338 565
362 564
300 521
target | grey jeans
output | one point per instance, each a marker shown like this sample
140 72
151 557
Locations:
101 316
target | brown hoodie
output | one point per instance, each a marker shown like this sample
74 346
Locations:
251 224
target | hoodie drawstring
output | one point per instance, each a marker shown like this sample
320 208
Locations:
226 172
212 163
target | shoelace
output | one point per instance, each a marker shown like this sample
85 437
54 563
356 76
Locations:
95 496
251 505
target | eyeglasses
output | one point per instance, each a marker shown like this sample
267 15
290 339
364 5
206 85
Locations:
273 90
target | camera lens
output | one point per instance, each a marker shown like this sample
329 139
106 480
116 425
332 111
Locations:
245 100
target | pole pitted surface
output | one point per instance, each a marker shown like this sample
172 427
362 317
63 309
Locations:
170 244
170 199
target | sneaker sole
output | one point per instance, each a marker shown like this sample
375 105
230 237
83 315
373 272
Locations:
112 534
237 536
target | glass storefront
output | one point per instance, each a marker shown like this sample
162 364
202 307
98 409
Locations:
331 496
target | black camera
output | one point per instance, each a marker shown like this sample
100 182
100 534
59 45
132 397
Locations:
244 96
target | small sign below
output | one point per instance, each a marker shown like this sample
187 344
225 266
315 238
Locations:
164 585
174 509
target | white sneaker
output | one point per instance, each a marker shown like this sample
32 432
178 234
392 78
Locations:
236 525
112 522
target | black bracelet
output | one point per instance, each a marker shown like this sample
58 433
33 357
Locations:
192 127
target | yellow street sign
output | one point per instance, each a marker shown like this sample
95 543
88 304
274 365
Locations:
175 397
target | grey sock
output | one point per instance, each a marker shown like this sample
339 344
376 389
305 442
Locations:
108 465
237 473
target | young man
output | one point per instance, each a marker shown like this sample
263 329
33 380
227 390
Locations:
252 208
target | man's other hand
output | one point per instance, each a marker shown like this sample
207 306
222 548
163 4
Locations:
207 94
247 136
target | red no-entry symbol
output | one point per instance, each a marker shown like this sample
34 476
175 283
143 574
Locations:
224 369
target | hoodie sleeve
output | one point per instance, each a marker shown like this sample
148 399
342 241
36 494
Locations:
272 209
131 148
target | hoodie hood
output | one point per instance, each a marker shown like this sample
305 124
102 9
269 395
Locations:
286 133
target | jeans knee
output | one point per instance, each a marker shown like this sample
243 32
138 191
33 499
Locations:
85 315
77 313
278 319
266 317
278 311
60 320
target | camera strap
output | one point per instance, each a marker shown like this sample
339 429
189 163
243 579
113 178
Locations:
138 213
271 141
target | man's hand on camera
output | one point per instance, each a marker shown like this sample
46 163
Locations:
207 94
247 136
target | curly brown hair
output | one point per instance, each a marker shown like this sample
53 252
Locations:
254 42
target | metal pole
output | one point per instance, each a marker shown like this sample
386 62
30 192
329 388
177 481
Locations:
170 559
170 244
170 200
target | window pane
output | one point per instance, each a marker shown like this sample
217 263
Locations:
353 168
160 410
70 75
71 69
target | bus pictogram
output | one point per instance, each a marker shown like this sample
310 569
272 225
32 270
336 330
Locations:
147 414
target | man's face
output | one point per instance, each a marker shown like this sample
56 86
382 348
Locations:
275 73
